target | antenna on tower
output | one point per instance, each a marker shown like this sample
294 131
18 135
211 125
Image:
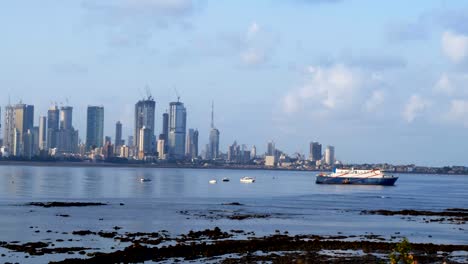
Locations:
212 114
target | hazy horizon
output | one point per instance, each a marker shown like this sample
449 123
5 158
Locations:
380 81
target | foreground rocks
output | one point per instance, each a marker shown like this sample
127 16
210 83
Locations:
215 245
64 204
452 215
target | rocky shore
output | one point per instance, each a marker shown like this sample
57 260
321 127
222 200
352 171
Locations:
235 246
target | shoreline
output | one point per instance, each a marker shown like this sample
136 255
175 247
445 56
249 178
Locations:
173 166
233 246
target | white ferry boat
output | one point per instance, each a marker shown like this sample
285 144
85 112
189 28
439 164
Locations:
247 180
352 176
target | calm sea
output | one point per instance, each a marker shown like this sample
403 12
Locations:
292 200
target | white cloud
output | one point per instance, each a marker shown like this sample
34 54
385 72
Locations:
290 103
142 7
256 45
414 107
253 30
452 84
377 98
455 46
329 88
458 112
444 85
253 57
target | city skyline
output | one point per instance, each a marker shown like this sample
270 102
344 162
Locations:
392 91
176 141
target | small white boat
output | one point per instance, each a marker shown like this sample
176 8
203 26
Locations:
145 180
247 180
213 181
226 179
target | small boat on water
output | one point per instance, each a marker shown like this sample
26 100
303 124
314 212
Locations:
213 181
226 179
145 180
352 176
247 180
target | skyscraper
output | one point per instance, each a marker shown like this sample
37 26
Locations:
67 136
95 127
253 152
315 151
52 127
177 129
42 133
18 119
330 155
271 150
213 145
144 117
144 144
165 125
191 150
118 135
66 117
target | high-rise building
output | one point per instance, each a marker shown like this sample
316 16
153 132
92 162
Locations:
213 142
234 153
253 152
191 150
95 127
271 150
28 148
315 151
161 148
130 142
53 115
118 135
330 155
144 117
66 117
165 126
144 144
9 128
18 120
67 136
177 129
42 133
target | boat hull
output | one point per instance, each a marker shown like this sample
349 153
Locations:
357 181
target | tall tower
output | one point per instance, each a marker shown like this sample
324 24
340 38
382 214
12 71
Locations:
177 129
191 149
66 117
144 117
315 151
42 133
330 155
52 126
18 120
213 145
271 149
144 144
67 136
95 127
118 134
165 125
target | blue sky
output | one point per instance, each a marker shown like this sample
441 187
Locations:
382 81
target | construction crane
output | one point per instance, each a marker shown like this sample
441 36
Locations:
148 93
177 94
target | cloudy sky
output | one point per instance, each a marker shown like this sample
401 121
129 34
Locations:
382 81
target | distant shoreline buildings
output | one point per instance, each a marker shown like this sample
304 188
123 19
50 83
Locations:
56 137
